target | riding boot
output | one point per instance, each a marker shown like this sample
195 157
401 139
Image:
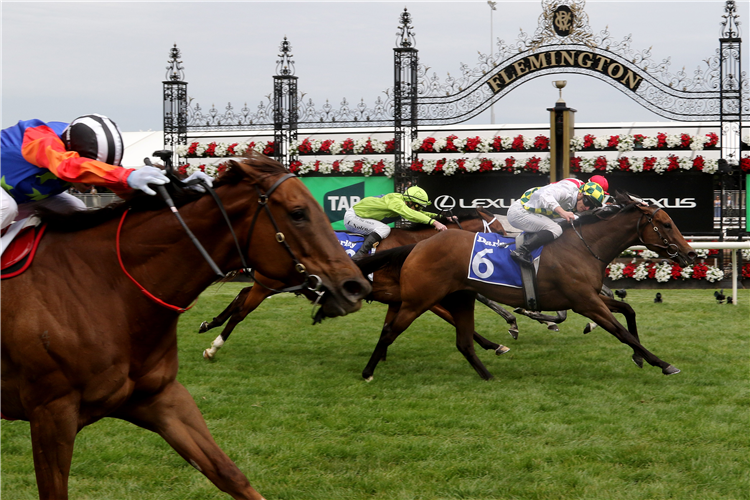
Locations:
522 254
364 250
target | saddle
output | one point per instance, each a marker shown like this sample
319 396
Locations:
18 254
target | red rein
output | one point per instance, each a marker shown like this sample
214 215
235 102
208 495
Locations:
145 292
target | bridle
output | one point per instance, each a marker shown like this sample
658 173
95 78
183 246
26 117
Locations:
263 199
486 226
667 245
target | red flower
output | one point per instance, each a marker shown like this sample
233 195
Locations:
416 165
379 167
461 165
676 270
638 139
439 165
699 271
325 147
305 147
390 146
231 149
648 164
472 143
651 270
588 141
449 146
600 163
269 149
295 166
674 163
182 169
368 147
221 168
713 251
509 163
685 141
517 144
746 271
358 164
575 164
661 140
485 165
624 163
713 140
193 147
211 149
541 143
428 145
745 164
347 147
497 144
699 163
613 141
629 270
335 166
532 164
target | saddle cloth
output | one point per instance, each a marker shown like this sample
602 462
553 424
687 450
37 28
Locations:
350 241
491 263
18 253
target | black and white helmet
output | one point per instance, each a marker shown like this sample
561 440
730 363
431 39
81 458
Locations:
96 137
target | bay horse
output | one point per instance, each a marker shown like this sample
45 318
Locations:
570 276
90 329
385 289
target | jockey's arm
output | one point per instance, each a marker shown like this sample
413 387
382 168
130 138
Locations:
43 148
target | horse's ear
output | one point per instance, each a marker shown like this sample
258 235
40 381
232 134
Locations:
245 169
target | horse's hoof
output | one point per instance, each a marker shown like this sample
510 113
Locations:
519 310
502 350
589 328
207 355
369 379
513 333
553 327
203 328
639 362
670 370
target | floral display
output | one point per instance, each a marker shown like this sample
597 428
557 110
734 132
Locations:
497 144
222 150
745 164
209 169
628 142
362 146
445 166
647 164
663 272
362 167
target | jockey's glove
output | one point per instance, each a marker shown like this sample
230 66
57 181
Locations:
142 177
202 176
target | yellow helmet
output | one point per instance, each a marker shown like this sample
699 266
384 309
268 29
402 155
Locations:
593 193
417 195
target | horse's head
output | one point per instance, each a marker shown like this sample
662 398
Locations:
479 220
658 232
288 237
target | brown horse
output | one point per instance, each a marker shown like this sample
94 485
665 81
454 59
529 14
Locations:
81 341
385 287
570 276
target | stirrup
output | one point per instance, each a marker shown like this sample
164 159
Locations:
521 258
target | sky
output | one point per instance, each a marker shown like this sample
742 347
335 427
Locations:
64 59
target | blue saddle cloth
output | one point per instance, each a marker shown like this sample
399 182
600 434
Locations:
491 262
350 241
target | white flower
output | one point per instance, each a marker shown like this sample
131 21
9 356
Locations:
507 142
450 167
714 274
746 139
685 163
650 142
601 142
416 144
485 145
612 165
626 143
181 150
745 254
576 143
615 270
588 165
201 149
686 272
661 165
702 253
663 272
221 150
544 165
710 166
636 164
472 165
641 272
528 142
428 166
697 142
336 148
648 254
260 146
459 143
440 144
673 140
377 145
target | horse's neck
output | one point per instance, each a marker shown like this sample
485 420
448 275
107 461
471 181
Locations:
608 238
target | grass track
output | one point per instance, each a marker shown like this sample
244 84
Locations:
568 416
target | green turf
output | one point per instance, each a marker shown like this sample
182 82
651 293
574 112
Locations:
567 416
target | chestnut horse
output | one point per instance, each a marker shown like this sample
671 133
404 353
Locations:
385 289
570 276
90 329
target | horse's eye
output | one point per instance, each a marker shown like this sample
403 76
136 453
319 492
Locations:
667 225
298 215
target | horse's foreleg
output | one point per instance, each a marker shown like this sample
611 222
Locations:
484 343
506 315
626 310
599 312
391 331
461 307
546 319
224 315
53 431
173 414
392 311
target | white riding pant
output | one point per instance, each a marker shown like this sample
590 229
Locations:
357 224
62 203
521 218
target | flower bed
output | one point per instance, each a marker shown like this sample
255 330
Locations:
628 142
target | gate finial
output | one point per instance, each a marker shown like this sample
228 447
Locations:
285 66
730 24
405 35
175 71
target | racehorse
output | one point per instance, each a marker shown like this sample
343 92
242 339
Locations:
90 329
385 289
570 276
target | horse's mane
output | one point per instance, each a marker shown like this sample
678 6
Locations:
463 214
141 202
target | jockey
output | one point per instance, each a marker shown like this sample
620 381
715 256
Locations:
535 211
371 215
41 160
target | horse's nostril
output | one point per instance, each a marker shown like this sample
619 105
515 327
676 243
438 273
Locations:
354 289
691 256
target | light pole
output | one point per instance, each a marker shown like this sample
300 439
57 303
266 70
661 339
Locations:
493 6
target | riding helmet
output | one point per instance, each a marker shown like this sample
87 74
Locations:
96 137
602 181
594 193
417 195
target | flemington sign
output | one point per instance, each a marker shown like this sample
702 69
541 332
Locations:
565 59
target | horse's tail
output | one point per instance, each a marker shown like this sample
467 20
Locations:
391 259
